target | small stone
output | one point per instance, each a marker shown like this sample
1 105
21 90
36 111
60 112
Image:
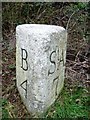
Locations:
78 101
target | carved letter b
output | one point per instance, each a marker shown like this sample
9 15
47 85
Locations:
24 59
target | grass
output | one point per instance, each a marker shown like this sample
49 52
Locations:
72 103
7 109
5 113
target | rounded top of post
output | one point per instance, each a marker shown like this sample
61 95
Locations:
40 28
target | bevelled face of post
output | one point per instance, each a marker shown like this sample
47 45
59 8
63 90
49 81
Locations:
40 64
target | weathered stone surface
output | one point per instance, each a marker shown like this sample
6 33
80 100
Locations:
40 64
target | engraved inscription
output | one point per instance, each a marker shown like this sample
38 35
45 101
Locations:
24 55
58 59
53 62
56 81
24 86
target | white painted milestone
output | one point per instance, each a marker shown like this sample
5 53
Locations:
40 65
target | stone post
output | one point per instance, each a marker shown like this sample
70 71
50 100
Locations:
40 65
